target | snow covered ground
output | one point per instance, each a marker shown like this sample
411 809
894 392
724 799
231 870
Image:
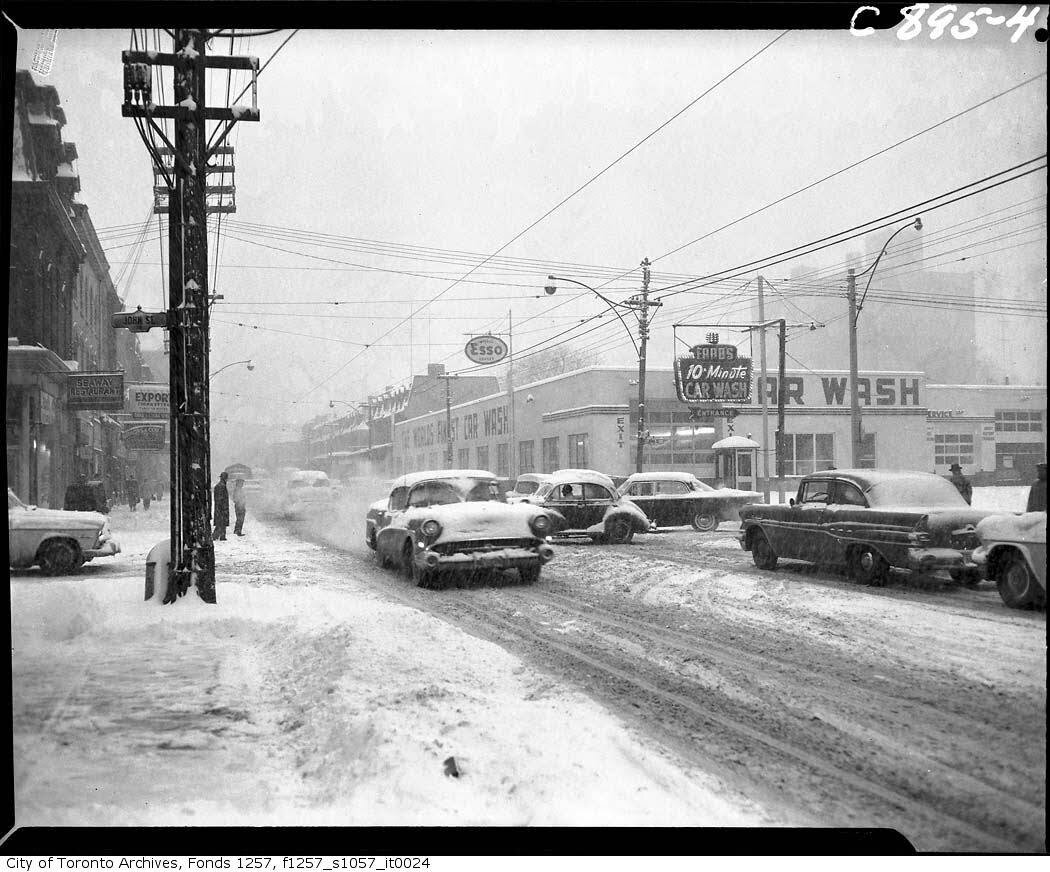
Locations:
303 698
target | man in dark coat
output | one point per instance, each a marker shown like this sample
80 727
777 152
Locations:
1037 495
221 508
961 482
131 486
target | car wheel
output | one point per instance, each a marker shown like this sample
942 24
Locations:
619 531
705 522
1015 582
529 574
762 552
59 558
966 577
869 567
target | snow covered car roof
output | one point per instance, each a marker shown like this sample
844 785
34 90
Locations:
411 478
308 475
534 476
1027 527
660 476
588 476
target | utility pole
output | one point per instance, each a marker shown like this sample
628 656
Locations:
854 398
781 397
512 460
643 336
192 552
448 418
763 398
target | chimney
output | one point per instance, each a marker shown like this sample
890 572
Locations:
435 369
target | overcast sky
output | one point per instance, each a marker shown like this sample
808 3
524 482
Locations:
461 140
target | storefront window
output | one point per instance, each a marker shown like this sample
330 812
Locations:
550 454
526 461
463 458
503 460
1018 421
808 452
949 448
482 452
578 450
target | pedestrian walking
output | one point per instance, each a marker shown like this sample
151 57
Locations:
131 487
221 508
1037 494
147 495
961 482
240 505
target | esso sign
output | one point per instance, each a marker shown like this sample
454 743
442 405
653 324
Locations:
486 349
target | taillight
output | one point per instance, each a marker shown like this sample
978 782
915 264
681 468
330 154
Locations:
921 534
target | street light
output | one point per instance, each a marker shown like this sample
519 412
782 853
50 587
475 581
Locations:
251 366
854 313
640 304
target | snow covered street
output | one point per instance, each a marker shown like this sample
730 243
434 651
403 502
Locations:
307 697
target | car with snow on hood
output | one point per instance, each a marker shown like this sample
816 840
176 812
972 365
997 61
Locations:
871 522
675 499
306 490
584 502
1013 553
526 485
56 540
439 524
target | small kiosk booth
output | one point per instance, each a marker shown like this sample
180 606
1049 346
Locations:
736 462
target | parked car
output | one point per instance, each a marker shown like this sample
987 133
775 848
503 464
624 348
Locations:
438 524
86 496
583 502
870 521
57 541
674 499
526 485
306 489
1013 552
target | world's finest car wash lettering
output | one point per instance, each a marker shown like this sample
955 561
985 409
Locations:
488 423
833 390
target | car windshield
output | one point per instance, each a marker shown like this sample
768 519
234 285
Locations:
700 486
322 482
456 490
926 490
526 487
14 502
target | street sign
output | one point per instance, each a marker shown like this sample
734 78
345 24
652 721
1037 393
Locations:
699 413
139 321
95 391
486 349
145 435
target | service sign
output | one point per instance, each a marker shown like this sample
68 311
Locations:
145 435
95 391
697 380
486 349
148 400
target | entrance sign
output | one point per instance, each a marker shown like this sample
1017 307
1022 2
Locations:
713 373
95 391
486 349
699 413
148 400
145 435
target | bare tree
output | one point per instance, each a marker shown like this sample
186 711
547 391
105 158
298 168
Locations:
551 362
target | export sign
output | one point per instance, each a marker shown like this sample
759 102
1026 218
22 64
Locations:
145 435
148 400
95 391
697 380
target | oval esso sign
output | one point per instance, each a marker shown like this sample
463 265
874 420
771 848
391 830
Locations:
486 349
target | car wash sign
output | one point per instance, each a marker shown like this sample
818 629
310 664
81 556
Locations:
714 373
95 391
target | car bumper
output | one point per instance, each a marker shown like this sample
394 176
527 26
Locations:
502 558
930 559
106 549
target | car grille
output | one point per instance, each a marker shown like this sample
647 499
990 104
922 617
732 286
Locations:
469 545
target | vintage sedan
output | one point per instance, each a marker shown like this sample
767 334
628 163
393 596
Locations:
674 499
870 521
1013 550
57 541
583 502
526 485
438 524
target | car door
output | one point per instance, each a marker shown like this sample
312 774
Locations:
804 536
674 504
596 502
643 495
842 518
390 525
568 500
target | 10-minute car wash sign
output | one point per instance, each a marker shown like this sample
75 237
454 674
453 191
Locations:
713 373
486 349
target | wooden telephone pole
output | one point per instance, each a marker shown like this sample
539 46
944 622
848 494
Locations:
192 552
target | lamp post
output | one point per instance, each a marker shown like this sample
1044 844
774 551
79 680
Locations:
855 308
251 366
640 304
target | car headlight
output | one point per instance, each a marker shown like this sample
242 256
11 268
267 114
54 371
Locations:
431 529
541 525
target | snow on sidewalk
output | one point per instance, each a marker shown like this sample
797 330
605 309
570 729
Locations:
305 698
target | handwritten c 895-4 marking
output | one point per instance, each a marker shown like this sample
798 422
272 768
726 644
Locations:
938 21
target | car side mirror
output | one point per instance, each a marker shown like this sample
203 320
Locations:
791 501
